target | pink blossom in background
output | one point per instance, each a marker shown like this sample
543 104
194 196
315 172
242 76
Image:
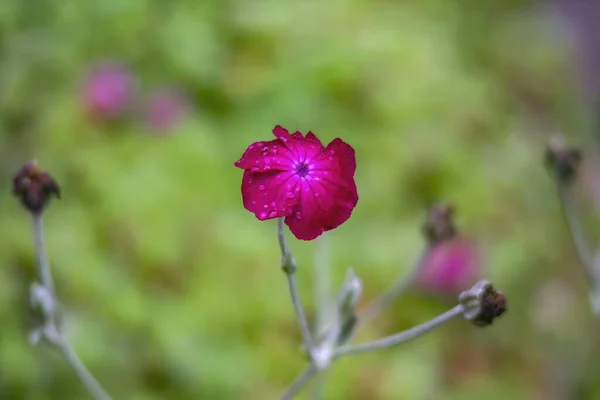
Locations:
296 177
450 267
108 91
165 109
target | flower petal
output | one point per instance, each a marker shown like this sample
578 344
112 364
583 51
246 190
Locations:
310 137
269 194
337 156
346 200
309 220
303 226
322 191
266 156
293 142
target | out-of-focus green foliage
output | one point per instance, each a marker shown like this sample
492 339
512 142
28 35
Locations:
173 290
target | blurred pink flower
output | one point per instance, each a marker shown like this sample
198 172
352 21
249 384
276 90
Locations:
108 91
450 267
164 109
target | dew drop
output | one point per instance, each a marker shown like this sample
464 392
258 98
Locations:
253 202
317 194
262 215
298 215
273 204
261 187
250 147
272 214
290 195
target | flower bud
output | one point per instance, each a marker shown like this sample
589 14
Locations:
439 224
34 187
482 303
562 159
449 267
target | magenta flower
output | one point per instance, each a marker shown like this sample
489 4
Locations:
165 109
450 267
108 91
297 178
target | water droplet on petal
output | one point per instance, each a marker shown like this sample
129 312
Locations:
272 214
262 215
261 187
317 194
273 204
298 215
290 195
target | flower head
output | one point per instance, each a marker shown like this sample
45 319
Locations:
108 91
296 177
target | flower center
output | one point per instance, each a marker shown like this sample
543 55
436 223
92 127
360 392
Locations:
302 169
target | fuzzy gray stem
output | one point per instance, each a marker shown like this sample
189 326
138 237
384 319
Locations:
288 264
403 336
82 372
299 383
324 312
52 332
43 264
578 236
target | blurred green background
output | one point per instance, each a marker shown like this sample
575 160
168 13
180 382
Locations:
173 290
